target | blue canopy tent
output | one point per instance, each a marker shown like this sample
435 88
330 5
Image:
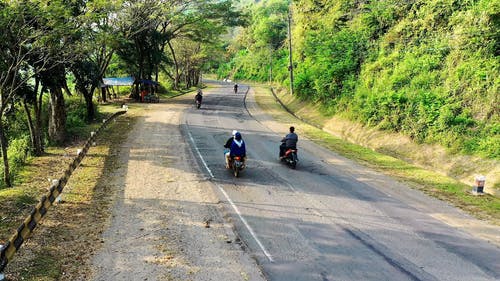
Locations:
109 83
141 85
118 81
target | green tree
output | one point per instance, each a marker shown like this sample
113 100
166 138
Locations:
152 28
95 45
21 40
259 46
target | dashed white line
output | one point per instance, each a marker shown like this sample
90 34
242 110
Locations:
249 228
199 155
246 223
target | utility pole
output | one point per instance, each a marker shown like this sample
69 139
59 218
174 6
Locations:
290 66
271 66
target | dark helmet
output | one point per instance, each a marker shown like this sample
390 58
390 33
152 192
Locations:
237 136
292 129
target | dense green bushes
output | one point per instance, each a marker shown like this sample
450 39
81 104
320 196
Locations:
429 69
19 148
76 117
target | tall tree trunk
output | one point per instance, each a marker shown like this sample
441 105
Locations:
89 105
176 65
157 74
3 145
37 107
57 119
103 94
186 76
31 126
157 71
36 146
35 131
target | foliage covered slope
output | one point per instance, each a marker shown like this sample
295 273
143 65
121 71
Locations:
427 68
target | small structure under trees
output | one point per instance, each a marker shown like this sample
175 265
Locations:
109 83
144 90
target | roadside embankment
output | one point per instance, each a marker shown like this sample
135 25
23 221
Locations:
426 167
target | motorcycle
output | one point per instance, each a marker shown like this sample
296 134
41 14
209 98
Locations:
198 104
237 164
290 158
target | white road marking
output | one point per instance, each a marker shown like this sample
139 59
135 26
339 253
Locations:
199 155
245 223
249 228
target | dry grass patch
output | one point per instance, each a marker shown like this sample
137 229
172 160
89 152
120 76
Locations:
70 233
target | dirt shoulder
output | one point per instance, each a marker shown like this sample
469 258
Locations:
64 240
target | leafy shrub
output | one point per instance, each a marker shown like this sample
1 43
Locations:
304 85
18 152
489 146
76 117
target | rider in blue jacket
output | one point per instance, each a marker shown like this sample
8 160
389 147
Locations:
237 148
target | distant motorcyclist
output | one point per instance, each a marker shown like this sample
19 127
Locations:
289 142
199 96
235 88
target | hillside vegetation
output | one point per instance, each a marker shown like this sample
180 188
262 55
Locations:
429 69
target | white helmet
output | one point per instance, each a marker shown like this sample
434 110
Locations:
234 132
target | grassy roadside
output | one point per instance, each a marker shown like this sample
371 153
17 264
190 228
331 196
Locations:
71 231
486 207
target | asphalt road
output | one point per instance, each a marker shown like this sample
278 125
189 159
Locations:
330 219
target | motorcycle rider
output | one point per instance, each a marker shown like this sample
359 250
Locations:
230 140
237 148
289 141
227 147
199 96
235 88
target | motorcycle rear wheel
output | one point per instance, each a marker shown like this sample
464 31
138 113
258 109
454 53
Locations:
293 163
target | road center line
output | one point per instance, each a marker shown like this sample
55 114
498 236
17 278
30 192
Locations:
199 155
249 228
245 223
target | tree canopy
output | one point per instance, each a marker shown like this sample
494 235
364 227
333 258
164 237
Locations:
50 50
